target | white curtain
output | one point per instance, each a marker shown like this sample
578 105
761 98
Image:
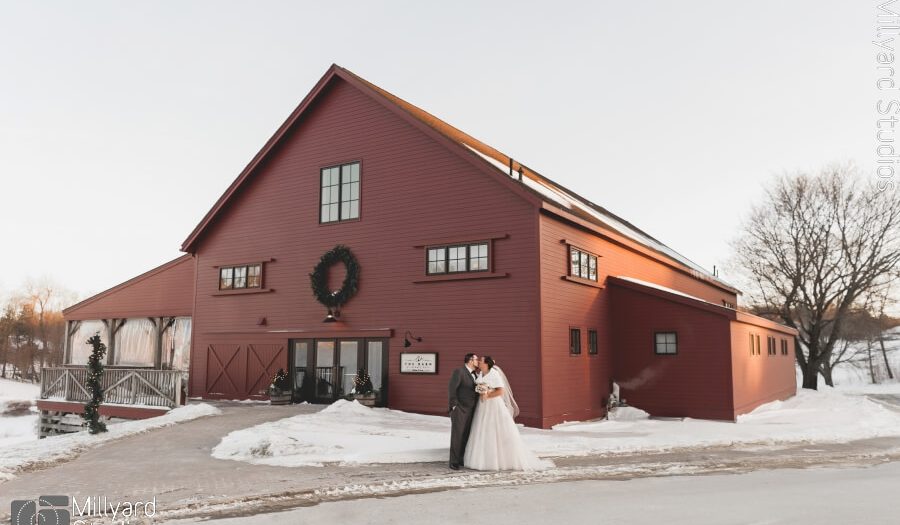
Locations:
79 349
177 345
136 343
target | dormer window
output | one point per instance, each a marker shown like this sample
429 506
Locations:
339 193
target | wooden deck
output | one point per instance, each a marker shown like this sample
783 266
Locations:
128 394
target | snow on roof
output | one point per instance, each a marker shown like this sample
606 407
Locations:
665 289
551 191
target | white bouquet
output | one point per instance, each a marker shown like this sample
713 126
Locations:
482 388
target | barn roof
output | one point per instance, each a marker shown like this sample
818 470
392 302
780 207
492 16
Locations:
520 176
166 290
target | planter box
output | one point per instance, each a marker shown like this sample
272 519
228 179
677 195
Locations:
280 398
368 401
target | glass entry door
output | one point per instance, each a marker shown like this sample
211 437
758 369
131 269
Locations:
324 370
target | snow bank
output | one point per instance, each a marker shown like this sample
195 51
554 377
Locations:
344 432
24 455
18 418
349 433
17 392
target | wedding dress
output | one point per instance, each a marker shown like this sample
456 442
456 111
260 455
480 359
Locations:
494 440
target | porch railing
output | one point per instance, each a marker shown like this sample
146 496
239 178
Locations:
122 386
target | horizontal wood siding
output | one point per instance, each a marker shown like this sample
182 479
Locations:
760 378
575 386
164 291
412 190
695 382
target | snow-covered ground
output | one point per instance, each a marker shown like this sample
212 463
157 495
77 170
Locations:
18 420
349 433
856 376
20 455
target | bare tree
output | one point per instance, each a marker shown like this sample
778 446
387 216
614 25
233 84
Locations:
813 248
858 326
881 300
35 326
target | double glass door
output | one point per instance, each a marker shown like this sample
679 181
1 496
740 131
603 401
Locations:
324 370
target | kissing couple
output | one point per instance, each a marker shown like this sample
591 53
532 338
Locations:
483 433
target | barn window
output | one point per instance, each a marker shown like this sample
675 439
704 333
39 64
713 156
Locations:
458 258
340 193
666 343
240 277
575 341
592 342
582 264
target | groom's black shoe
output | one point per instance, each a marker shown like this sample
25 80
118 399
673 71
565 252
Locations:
454 467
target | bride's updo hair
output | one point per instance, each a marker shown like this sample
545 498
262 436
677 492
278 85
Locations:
488 360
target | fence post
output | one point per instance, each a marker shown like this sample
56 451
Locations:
176 381
134 388
66 379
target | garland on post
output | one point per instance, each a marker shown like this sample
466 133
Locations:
94 385
333 300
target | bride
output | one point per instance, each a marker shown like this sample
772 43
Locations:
494 441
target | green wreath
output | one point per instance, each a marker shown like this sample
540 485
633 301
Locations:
319 278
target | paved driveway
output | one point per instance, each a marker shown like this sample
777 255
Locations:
174 465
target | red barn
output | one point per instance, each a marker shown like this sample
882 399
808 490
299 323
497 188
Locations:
460 248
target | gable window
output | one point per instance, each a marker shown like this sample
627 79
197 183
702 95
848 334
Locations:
240 277
458 258
592 342
575 341
666 343
340 193
582 264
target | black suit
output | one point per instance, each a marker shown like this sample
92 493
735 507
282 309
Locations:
462 407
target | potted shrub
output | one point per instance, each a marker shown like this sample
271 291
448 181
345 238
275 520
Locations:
362 389
280 390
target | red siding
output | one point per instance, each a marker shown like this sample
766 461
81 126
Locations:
164 291
413 191
575 386
760 378
696 382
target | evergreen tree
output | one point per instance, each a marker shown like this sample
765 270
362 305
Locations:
95 387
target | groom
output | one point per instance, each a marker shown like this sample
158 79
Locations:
462 407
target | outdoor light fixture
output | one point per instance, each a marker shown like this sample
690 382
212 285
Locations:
333 316
407 336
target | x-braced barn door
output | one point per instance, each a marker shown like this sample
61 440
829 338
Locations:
242 371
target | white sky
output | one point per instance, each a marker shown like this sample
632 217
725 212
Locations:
121 123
